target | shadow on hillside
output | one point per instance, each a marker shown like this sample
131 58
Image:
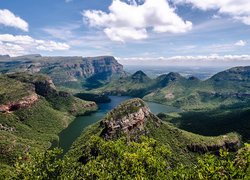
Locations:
216 122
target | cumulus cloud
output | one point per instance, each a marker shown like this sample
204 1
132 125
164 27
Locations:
131 20
7 18
22 44
239 10
11 49
240 43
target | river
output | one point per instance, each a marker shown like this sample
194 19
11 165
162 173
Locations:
74 130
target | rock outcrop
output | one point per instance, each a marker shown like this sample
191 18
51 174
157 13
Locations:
22 103
128 119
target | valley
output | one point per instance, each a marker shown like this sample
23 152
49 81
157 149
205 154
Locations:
77 103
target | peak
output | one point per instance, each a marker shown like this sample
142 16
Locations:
239 69
241 73
128 119
141 73
128 107
174 74
140 77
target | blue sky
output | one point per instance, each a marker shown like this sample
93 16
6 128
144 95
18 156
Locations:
134 31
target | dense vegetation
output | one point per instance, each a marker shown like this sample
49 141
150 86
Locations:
214 122
225 88
36 124
146 159
130 142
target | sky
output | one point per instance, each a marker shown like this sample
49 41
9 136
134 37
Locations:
177 32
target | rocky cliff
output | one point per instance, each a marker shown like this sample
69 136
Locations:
129 119
30 88
65 69
22 103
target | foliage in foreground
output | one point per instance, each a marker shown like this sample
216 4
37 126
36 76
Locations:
146 159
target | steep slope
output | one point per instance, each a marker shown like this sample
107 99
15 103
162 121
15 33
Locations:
132 143
138 84
32 113
75 72
225 88
132 119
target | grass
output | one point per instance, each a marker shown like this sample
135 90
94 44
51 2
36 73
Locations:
12 90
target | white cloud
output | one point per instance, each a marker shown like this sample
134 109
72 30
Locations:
52 46
240 43
133 20
202 60
11 49
17 45
23 39
63 32
67 1
120 34
237 9
7 18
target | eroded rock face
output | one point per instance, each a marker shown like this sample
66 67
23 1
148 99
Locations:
128 119
22 103
66 69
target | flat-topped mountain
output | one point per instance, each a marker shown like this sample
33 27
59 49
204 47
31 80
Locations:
67 70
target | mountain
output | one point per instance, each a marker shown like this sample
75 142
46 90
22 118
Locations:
133 119
131 137
4 57
225 88
79 72
32 113
137 85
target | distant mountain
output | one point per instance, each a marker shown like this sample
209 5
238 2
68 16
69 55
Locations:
225 88
233 74
4 57
78 72
140 77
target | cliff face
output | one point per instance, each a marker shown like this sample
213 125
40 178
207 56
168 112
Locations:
129 119
34 88
22 103
65 69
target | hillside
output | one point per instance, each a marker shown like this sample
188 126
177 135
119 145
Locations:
223 89
73 72
32 113
133 119
130 135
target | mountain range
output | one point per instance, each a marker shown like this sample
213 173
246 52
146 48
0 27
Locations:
40 96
